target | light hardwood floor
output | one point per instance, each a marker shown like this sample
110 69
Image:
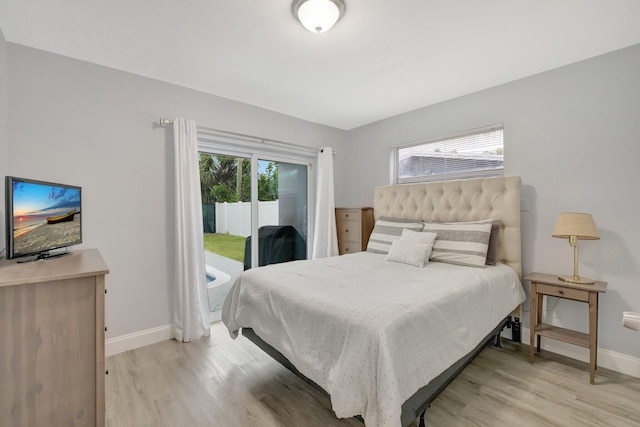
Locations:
220 382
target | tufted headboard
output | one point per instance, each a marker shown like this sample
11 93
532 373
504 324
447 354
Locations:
461 200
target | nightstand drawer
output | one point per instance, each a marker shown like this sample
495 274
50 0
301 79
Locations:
557 291
348 247
349 230
343 214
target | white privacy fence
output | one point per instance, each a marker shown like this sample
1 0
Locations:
235 218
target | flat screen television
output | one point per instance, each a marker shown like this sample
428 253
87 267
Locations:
41 217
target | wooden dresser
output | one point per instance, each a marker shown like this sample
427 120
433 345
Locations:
52 334
354 226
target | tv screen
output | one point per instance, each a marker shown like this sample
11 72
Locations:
41 216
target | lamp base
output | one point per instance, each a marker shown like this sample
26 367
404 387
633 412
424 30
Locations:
577 279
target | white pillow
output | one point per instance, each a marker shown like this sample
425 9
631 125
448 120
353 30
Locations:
409 252
418 236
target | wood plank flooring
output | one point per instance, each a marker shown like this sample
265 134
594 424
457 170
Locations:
221 382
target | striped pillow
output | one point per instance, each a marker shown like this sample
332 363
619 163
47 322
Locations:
386 231
496 224
492 252
460 243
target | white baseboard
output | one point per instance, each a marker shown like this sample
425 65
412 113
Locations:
137 339
608 359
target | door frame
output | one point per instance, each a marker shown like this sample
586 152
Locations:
234 148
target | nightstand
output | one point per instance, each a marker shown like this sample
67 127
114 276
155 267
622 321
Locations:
551 285
354 226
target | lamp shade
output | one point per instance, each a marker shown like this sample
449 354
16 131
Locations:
580 225
318 16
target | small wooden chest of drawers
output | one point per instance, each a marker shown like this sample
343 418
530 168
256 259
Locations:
354 226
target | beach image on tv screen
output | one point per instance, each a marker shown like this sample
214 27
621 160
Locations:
44 217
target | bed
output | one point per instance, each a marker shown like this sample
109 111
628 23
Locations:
383 338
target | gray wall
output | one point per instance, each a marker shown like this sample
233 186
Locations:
92 126
4 144
573 135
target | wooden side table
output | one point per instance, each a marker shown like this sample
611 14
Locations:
549 284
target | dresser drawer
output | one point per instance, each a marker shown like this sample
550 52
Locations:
345 247
349 230
557 291
347 214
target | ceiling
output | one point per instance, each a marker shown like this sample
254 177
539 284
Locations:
383 58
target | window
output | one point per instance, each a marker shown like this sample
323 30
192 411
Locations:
474 154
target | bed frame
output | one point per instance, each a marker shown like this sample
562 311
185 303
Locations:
461 200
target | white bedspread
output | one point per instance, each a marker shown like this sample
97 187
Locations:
368 331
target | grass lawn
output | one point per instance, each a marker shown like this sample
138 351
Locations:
226 245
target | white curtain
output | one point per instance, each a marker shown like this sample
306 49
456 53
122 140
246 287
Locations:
190 307
325 241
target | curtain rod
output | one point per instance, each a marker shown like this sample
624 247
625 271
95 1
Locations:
165 121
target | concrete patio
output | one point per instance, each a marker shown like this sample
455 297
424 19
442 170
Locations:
218 292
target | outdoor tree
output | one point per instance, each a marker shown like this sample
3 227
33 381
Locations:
219 180
268 183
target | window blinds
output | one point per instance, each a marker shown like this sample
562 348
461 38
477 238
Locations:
474 154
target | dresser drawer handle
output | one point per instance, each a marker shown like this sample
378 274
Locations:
346 230
346 215
561 292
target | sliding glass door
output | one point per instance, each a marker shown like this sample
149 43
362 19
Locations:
247 194
225 183
282 212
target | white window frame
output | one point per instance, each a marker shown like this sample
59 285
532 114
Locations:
394 158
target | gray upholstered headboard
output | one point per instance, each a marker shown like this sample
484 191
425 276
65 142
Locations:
462 200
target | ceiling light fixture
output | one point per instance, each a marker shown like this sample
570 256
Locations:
318 16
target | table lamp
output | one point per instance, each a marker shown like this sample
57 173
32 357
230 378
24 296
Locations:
575 226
